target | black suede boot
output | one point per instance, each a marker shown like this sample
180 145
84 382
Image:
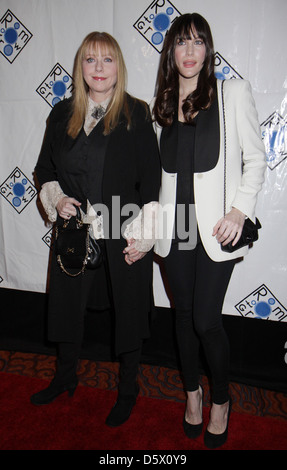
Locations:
128 389
56 388
65 379
122 409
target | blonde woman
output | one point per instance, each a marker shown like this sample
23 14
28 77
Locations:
100 150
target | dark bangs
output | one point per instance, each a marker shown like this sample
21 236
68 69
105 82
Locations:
195 24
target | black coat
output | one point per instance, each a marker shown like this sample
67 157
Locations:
131 170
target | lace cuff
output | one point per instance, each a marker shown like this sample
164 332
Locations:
50 195
143 228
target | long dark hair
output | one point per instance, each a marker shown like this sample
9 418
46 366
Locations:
167 87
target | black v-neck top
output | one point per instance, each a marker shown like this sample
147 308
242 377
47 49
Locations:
185 171
185 163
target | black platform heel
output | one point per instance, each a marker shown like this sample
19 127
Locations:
49 394
212 441
192 431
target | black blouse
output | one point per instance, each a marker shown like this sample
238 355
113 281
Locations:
83 165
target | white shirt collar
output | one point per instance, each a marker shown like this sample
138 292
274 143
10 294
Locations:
91 122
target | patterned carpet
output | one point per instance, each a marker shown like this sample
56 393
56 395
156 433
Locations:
155 382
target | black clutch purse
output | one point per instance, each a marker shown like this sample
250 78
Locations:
250 230
248 236
75 249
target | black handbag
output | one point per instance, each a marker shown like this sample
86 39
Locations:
75 248
250 230
248 236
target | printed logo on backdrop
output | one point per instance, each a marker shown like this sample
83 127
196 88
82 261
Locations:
262 304
48 238
274 136
13 36
18 190
223 70
56 86
156 20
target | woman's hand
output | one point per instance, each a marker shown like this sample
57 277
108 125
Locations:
66 207
229 227
131 253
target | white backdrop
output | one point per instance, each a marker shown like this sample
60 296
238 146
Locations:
38 42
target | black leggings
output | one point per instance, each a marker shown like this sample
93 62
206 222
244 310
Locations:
198 286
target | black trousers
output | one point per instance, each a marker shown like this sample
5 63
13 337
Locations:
67 363
69 352
198 286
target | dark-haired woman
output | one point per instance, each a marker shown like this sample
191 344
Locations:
100 151
203 123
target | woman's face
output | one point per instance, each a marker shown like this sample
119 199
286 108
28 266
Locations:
100 73
189 57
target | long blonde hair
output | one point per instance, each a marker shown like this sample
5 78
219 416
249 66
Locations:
80 93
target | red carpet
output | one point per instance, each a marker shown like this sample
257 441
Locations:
78 423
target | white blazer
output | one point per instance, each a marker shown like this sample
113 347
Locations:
240 141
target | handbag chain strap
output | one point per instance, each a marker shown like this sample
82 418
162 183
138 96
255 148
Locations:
79 225
224 132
